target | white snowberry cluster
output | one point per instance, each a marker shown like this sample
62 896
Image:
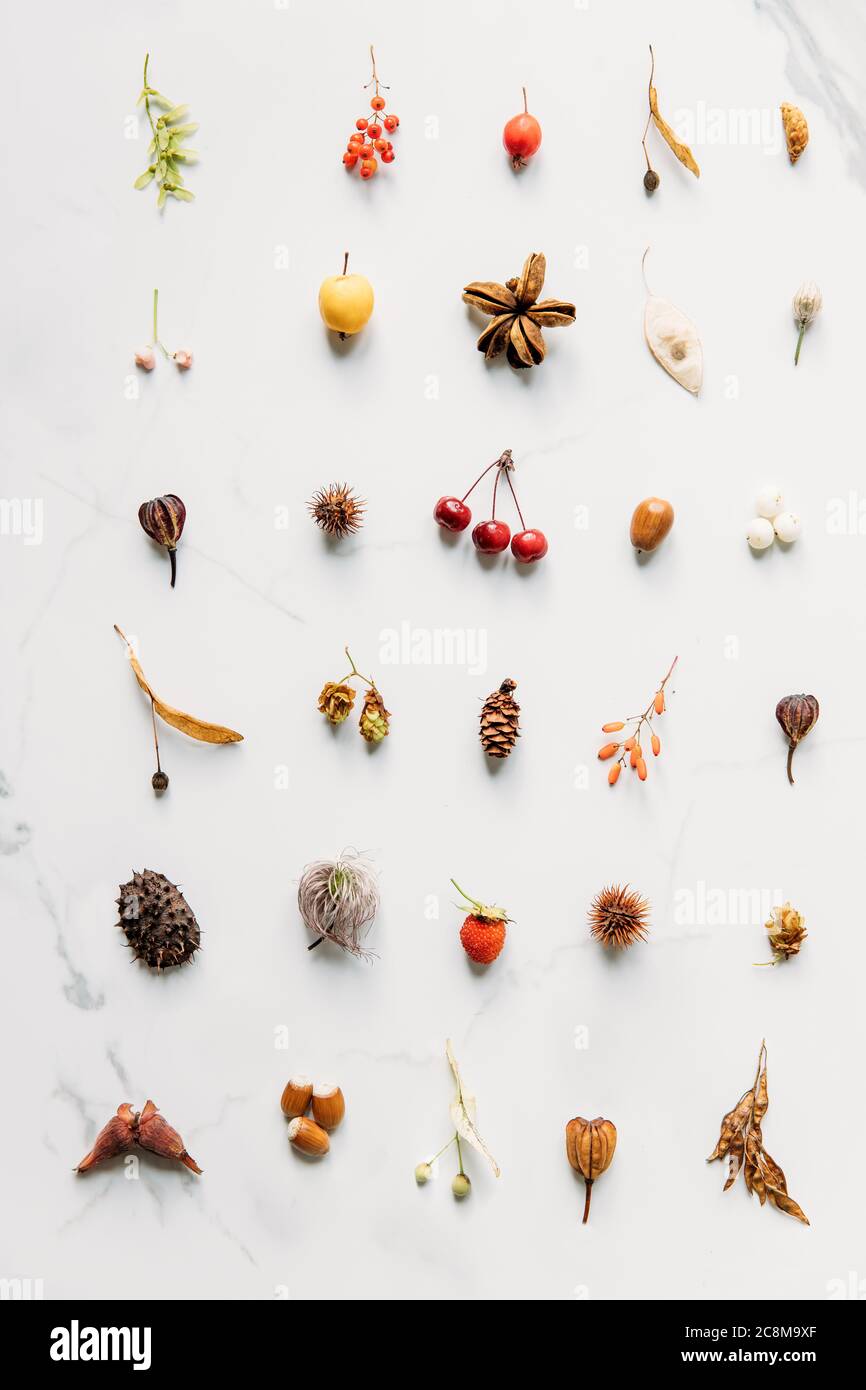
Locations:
772 522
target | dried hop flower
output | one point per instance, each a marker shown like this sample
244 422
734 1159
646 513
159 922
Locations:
618 917
787 933
796 130
336 701
374 717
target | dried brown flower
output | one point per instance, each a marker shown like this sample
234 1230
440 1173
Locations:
787 933
518 315
618 917
336 701
741 1140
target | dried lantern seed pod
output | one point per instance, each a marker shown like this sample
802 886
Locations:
590 1146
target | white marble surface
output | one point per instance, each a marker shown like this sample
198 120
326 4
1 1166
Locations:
661 1041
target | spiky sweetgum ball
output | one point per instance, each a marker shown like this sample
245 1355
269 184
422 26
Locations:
482 938
157 922
618 917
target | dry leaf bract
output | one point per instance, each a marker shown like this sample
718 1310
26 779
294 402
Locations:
517 315
463 1113
673 341
187 723
742 1143
682 152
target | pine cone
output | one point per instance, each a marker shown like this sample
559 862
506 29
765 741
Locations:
500 719
374 717
336 701
158 925
796 130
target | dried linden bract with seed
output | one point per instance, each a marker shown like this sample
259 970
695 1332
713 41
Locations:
760 533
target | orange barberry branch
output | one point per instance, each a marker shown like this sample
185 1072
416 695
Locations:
630 748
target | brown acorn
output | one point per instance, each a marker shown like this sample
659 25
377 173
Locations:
590 1146
163 519
796 714
651 521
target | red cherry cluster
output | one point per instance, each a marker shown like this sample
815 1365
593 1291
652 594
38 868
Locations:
491 537
369 143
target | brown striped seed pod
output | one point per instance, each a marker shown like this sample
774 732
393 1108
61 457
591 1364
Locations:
590 1146
163 520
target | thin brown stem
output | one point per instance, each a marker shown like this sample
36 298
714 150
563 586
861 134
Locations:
483 475
525 102
172 555
791 747
588 1200
345 261
155 737
650 114
514 495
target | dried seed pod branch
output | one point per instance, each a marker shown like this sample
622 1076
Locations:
741 1142
630 747
166 150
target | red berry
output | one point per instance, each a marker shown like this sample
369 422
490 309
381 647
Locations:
528 546
361 123
395 120
374 130
521 137
370 165
482 938
491 536
377 103
356 139
350 160
380 145
390 123
453 514
388 156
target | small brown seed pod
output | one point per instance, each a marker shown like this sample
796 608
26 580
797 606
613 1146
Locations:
796 715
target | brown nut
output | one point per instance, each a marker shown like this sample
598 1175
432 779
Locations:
296 1097
650 523
329 1106
308 1137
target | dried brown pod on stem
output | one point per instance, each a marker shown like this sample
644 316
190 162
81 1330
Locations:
741 1142
590 1145
796 714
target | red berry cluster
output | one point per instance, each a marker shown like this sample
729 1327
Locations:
491 537
370 142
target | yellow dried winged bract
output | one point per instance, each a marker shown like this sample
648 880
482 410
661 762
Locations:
186 723
682 152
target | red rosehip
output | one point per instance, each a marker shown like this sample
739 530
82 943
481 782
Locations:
521 136
391 122
374 130
350 159
387 156
528 546
490 537
451 513
377 103
361 123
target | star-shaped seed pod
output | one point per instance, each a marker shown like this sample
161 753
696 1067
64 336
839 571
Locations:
518 315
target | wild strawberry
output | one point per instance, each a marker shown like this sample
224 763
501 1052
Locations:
483 932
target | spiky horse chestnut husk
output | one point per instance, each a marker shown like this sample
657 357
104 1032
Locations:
156 920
